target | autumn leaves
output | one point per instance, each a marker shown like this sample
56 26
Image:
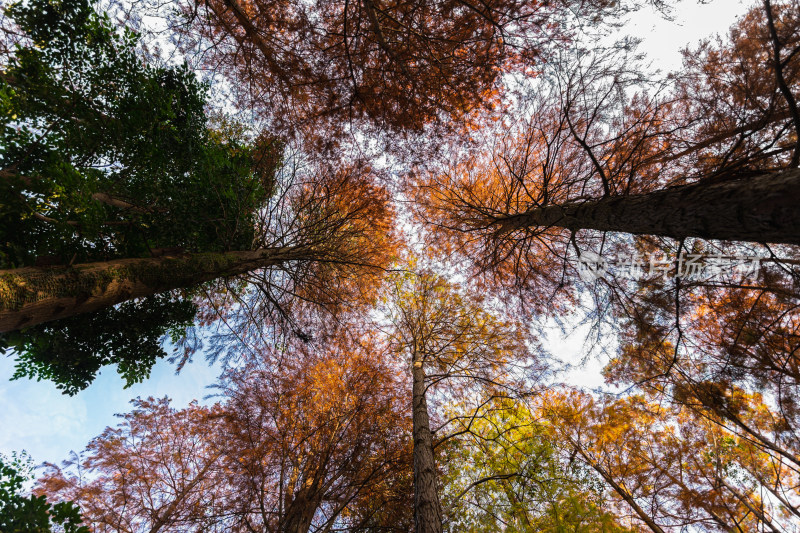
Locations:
481 140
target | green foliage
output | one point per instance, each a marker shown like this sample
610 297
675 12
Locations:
101 157
31 514
71 351
528 483
81 116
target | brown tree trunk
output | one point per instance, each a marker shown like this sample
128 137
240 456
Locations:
427 509
33 295
764 208
300 512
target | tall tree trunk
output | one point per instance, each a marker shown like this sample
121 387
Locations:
427 509
300 512
764 208
33 295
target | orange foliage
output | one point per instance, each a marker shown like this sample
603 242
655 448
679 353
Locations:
304 436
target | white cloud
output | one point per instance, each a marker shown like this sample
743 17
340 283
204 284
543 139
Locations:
692 22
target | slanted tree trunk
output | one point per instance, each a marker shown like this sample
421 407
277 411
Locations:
427 509
33 295
764 208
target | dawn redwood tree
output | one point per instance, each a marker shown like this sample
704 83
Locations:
341 222
511 469
710 153
724 347
120 190
601 158
395 66
332 240
676 467
714 343
706 342
757 208
725 350
326 431
604 164
157 470
303 439
455 350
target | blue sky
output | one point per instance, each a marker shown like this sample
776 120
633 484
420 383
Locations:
36 417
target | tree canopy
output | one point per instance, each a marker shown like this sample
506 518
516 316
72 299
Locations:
373 214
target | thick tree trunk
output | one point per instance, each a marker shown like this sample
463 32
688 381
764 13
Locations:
427 509
33 295
759 209
300 512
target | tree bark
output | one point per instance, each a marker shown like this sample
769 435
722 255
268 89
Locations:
764 208
33 295
300 512
427 508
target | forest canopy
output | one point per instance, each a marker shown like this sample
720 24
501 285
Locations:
372 215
